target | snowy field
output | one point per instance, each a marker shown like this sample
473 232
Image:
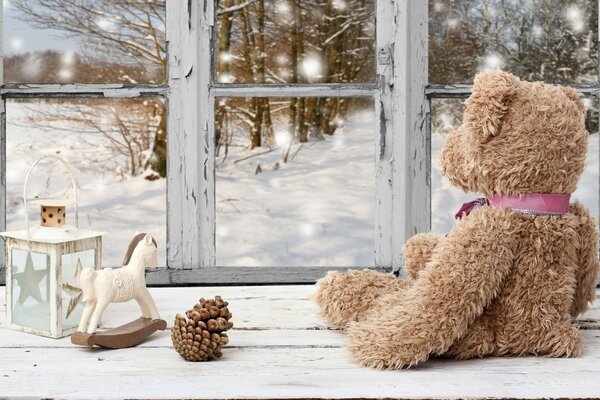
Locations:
317 209
107 203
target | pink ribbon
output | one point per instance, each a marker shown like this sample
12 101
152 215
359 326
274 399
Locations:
530 203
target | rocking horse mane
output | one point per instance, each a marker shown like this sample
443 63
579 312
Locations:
134 242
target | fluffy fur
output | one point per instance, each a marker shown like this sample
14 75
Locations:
502 283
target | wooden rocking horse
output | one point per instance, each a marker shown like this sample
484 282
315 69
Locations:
105 286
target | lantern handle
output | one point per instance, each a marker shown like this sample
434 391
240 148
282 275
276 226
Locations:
73 184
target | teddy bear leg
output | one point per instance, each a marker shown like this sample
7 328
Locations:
345 296
563 340
478 342
417 251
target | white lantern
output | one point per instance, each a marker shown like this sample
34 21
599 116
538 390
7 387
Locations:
43 264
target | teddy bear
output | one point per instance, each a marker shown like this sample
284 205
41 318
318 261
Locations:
519 264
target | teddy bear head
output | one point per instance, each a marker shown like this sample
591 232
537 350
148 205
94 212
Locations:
517 137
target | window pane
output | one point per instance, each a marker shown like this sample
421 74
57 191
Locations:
550 40
296 41
447 200
117 149
298 187
84 41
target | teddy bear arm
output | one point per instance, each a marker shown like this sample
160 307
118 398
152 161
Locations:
417 252
462 278
586 274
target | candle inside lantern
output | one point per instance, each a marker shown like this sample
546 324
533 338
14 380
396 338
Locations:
53 215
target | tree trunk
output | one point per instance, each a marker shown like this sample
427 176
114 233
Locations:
158 160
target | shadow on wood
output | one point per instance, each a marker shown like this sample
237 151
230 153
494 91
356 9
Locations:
127 335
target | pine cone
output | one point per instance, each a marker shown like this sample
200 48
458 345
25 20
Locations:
199 334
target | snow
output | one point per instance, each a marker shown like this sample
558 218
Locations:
317 209
107 204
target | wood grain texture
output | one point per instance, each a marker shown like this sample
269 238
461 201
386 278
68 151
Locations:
190 180
242 275
2 153
80 90
278 349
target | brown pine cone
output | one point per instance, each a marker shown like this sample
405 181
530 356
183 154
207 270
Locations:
200 333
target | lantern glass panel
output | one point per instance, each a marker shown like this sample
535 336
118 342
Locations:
30 289
70 283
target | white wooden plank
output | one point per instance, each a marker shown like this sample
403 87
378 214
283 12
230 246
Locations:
243 275
253 307
265 361
10 339
287 373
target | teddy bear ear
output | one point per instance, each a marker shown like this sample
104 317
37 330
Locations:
573 95
488 103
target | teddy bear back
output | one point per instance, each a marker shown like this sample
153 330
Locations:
517 137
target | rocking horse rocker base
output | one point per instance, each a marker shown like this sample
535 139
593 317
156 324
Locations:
127 335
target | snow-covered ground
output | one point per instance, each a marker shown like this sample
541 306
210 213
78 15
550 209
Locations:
317 209
108 204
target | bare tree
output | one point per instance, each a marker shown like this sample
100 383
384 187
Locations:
128 33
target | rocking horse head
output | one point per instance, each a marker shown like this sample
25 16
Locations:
142 248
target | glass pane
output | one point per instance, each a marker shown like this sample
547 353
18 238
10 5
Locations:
72 264
296 188
118 150
295 41
84 41
30 289
446 115
549 40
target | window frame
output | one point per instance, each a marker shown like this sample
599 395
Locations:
402 166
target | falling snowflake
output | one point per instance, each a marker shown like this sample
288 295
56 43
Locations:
491 62
106 24
68 58
282 59
537 31
283 138
574 16
312 67
307 230
17 43
226 57
339 4
226 78
283 7
452 22
65 74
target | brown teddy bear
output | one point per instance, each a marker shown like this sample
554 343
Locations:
510 277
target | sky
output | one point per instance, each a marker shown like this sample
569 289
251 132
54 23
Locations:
20 38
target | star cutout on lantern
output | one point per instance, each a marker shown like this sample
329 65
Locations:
29 281
73 289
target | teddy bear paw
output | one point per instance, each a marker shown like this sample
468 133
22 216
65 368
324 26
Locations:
376 347
343 297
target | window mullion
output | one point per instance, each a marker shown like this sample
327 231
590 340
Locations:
190 185
2 153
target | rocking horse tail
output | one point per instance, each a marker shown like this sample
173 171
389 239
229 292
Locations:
88 276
